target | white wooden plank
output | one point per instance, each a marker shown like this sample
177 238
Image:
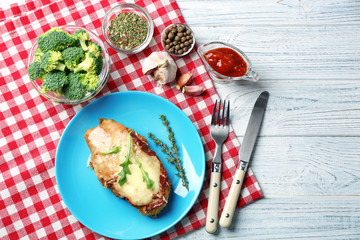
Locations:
298 108
275 13
307 166
286 40
287 52
292 218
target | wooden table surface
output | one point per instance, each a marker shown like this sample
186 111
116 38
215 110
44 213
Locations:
307 158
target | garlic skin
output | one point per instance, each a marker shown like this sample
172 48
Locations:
193 90
160 66
184 80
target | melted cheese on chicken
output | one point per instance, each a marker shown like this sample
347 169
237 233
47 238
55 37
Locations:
107 167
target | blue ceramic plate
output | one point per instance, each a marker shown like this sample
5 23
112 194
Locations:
97 208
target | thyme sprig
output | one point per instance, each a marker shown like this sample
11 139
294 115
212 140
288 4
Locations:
172 152
171 136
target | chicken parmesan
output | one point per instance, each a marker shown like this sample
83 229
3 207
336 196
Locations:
124 163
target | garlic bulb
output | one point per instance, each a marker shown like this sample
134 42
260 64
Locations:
160 66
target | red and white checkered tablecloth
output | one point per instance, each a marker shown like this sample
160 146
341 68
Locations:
31 126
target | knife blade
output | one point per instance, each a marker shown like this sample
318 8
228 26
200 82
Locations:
246 150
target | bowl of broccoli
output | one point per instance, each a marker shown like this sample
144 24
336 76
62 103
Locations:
68 64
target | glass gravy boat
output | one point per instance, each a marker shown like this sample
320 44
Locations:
249 75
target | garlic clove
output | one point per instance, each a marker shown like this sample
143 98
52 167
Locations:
184 80
193 90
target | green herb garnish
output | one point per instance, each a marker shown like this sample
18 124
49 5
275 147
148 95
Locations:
125 165
145 175
149 182
172 152
111 151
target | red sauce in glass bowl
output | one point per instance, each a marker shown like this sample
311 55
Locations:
226 62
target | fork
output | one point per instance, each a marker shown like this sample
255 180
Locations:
219 131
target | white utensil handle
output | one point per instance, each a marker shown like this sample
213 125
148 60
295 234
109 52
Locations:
232 199
212 216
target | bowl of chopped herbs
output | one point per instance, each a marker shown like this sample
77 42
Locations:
68 64
128 28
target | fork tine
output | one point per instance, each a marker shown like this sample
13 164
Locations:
214 114
228 114
218 118
223 114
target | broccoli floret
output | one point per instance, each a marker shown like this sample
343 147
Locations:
90 81
51 61
95 49
83 38
72 57
54 81
89 64
55 39
74 90
35 71
38 54
99 64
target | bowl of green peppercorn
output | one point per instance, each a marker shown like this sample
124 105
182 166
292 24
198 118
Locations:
178 39
128 28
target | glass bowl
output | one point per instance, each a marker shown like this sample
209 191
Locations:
104 75
190 47
249 75
133 8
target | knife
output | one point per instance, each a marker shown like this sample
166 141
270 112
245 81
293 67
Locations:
246 149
